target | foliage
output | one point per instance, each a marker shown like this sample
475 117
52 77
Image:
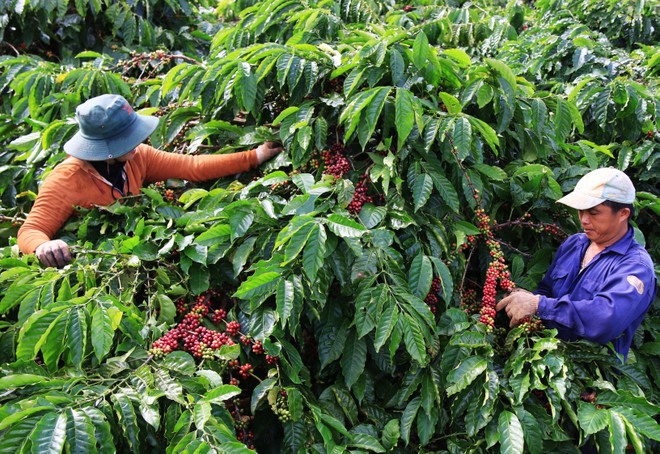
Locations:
342 280
59 29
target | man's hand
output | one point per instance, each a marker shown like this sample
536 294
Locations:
53 253
267 150
518 305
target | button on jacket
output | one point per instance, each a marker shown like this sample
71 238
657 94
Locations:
75 182
607 300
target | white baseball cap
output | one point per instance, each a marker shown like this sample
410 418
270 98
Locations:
598 186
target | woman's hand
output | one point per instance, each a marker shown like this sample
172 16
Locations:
53 253
267 150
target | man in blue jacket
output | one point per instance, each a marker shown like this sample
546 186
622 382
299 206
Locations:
601 282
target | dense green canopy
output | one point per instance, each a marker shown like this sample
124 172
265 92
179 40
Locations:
331 300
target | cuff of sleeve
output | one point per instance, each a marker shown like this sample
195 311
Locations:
28 243
543 309
254 157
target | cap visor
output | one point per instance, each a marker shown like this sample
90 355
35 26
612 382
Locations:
113 147
580 201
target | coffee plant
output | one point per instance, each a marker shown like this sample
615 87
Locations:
341 297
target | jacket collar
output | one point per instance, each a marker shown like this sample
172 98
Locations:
622 246
87 167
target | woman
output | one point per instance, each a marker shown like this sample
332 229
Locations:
108 160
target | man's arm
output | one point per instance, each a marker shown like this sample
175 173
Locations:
617 300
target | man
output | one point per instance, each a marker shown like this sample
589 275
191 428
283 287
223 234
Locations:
601 282
108 160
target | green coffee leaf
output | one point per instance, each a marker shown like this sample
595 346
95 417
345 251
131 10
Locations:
391 434
221 393
79 432
408 417
413 338
592 419
49 434
452 104
102 333
466 372
344 227
353 358
20 380
511 433
405 115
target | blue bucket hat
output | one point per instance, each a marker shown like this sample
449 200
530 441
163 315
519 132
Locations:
109 128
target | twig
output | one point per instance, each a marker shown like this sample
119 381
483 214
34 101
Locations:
14 219
467 263
538 225
80 250
514 248
454 151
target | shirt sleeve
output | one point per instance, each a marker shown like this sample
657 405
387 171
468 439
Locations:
161 165
612 305
49 213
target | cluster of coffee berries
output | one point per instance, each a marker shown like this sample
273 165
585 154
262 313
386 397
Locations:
233 328
169 195
553 229
337 84
192 336
334 161
244 370
280 186
258 348
360 196
488 300
200 308
589 395
181 306
242 422
469 301
497 272
287 184
145 65
531 324
471 241
432 298
408 8
218 316
483 221
281 406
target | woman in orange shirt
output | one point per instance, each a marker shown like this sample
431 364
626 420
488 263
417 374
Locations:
108 160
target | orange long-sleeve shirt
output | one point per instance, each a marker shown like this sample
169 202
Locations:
75 182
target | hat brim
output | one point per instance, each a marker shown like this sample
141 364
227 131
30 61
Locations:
580 201
112 147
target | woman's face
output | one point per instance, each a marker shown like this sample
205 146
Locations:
128 156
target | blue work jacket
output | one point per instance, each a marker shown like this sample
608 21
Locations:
604 302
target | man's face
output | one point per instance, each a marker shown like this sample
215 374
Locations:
601 224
